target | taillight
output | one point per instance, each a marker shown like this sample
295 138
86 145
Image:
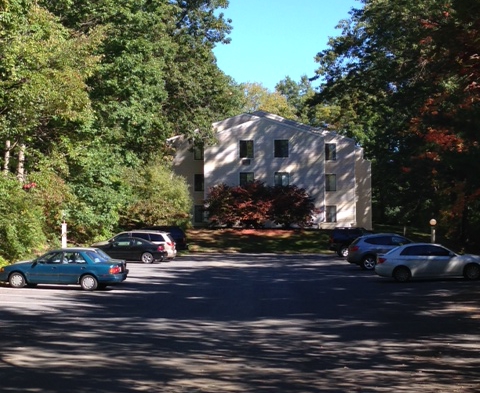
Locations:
380 260
353 248
115 270
161 248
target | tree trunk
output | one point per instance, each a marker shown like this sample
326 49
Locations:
21 163
6 157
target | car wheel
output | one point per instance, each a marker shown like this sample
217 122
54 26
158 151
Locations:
368 262
17 280
147 257
472 272
343 251
88 282
402 274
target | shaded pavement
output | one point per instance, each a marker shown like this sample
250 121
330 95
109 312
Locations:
243 323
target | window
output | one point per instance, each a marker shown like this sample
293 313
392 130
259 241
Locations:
330 151
198 183
246 177
198 214
155 238
55 257
198 153
426 250
74 257
246 149
331 182
281 179
281 148
330 213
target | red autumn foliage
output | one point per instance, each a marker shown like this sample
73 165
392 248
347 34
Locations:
252 205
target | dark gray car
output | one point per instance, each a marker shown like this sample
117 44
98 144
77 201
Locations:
363 251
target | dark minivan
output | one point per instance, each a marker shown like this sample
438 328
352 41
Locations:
342 237
176 232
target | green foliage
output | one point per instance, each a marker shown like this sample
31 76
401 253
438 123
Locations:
158 77
158 198
43 71
255 203
404 77
21 220
257 97
101 193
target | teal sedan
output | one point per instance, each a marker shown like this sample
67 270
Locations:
91 268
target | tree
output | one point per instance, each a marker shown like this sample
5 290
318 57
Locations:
218 204
252 204
404 76
43 91
255 203
21 220
158 76
291 205
259 98
158 197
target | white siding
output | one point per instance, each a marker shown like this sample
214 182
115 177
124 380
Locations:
305 163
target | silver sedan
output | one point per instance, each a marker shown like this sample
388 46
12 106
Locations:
418 260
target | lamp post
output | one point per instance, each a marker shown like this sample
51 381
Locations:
433 222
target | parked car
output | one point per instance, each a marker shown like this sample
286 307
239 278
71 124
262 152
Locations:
91 268
135 249
418 260
364 249
156 237
342 237
177 233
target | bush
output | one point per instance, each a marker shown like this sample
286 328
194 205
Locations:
254 204
158 198
291 205
21 220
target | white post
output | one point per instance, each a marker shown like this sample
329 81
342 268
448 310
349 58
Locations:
64 234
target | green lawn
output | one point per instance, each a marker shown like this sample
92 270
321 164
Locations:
274 240
263 240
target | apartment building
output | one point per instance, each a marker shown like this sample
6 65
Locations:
266 147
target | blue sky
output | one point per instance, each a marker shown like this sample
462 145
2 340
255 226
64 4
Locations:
272 39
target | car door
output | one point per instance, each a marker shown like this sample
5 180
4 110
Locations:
444 262
72 267
121 249
428 260
45 269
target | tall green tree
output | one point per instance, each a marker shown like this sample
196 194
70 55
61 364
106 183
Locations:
43 72
404 75
158 76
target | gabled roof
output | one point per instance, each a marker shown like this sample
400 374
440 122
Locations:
238 120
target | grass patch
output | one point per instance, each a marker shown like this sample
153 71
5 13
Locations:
258 241
279 241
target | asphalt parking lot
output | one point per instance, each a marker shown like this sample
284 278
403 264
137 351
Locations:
243 323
